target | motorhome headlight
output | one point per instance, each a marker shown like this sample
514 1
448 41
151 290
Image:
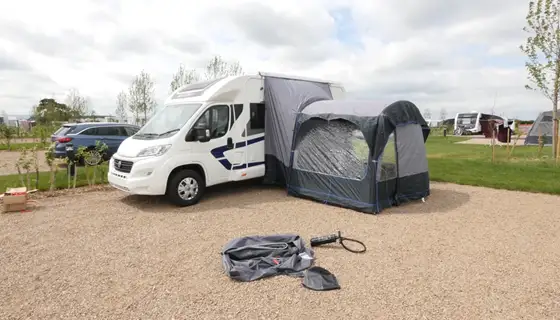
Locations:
154 151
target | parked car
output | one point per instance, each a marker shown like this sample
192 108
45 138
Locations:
87 135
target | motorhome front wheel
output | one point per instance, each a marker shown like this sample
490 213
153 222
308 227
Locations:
185 188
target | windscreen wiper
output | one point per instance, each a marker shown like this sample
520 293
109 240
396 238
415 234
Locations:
147 135
167 132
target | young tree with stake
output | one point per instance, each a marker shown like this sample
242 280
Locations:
77 103
141 96
121 106
542 48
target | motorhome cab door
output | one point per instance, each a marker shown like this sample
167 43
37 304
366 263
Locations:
219 154
238 154
247 133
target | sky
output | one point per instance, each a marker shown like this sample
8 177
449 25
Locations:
451 55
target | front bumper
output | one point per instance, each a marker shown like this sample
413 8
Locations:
146 177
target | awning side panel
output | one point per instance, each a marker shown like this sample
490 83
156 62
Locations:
284 98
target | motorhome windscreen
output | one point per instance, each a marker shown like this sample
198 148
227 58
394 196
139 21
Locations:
167 121
467 118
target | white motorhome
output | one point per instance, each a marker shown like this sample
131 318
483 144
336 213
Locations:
206 133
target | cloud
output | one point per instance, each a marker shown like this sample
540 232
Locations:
66 44
10 62
448 54
274 27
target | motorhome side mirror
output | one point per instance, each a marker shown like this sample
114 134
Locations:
202 134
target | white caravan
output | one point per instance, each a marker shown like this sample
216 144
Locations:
471 123
206 133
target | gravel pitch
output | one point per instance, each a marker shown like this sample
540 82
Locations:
467 253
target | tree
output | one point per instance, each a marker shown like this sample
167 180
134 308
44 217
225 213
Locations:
442 113
427 114
7 133
542 48
141 96
218 67
49 110
183 77
77 103
121 106
134 109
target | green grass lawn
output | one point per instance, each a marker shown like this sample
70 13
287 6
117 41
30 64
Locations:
61 181
525 170
19 146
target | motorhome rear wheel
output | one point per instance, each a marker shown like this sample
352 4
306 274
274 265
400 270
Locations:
185 188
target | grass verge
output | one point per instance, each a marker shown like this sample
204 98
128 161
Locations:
61 181
19 146
526 169
509 176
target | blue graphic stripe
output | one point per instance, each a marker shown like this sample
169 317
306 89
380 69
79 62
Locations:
228 165
219 153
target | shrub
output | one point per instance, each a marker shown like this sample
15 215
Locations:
7 134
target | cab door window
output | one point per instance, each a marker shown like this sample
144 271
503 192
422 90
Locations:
216 118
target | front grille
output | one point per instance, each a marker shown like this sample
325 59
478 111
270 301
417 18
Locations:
122 165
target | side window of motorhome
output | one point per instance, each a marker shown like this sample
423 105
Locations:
238 109
235 112
256 122
217 118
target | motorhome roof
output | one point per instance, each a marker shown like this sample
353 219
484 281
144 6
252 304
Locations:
202 90
207 90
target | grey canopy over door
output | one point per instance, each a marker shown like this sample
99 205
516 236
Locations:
283 99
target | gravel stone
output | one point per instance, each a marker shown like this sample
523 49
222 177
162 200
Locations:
467 253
